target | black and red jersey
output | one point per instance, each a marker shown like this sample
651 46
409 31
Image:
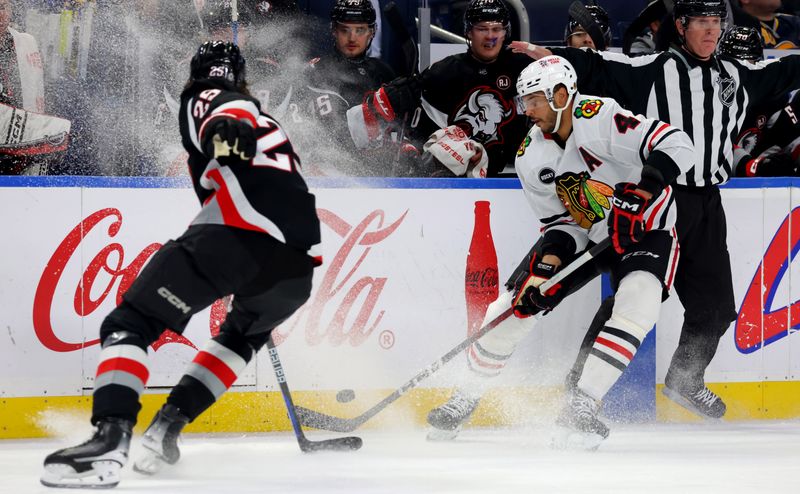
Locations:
265 194
477 96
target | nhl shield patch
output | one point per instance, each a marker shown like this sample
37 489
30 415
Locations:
727 90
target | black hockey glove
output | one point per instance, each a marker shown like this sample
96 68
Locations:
626 219
230 141
529 300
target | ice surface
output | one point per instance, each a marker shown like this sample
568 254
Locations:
726 458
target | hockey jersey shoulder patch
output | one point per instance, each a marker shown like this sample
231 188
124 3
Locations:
522 147
547 175
588 108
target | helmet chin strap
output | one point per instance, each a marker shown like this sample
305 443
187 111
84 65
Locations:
559 111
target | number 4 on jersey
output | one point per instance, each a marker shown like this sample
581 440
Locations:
624 122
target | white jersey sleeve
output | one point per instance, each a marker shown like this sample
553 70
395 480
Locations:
631 138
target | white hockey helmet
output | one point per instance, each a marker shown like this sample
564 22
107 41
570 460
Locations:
545 75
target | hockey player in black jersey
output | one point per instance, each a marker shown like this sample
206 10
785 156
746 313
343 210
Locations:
254 238
576 35
340 80
704 95
473 91
769 142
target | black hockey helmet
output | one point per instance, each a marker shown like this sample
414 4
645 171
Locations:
219 61
600 17
218 14
699 8
353 11
487 11
742 43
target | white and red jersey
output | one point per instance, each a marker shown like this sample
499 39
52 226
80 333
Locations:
570 184
265 194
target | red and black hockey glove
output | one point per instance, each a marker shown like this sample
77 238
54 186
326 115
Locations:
626 219
529 300
772 165
229 141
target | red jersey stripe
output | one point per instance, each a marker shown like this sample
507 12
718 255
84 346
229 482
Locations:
227 206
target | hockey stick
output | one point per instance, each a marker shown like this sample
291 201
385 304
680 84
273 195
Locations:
577 10
317 420
406 41
574 265
350 443
411 56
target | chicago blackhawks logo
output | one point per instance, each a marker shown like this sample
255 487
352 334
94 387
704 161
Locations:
585 199
524 146
485 112
588 108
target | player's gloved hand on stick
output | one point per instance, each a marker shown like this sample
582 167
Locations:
229 141
528 299
626 219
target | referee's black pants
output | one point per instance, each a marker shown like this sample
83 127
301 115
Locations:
703 282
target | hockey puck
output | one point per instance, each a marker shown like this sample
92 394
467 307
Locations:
345 395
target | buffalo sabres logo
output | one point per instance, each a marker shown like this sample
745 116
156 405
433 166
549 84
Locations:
485 112
727 90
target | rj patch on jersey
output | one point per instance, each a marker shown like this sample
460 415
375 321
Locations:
585 199
588 108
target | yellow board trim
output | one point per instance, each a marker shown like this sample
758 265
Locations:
771 400
33 417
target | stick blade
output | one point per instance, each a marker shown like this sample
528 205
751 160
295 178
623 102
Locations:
317 420
350 443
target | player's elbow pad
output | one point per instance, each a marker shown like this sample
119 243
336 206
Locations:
658 172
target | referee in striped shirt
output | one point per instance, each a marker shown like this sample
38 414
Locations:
707 96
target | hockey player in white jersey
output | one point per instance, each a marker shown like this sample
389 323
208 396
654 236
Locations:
590 169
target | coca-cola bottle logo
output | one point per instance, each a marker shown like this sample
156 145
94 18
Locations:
486 278
480 276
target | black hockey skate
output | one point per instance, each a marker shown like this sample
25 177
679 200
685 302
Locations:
448 419
160 441
95 463
578 425
695 397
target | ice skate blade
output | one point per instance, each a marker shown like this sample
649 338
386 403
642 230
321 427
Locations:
441 435
571 440
149 463
678 399
103 475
